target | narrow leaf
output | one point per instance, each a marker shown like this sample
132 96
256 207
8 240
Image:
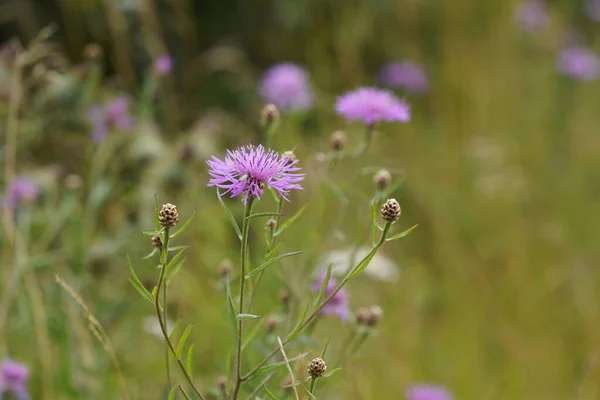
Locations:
264 214
298 382
248 338
156 211
270 367
175 270
190 358
173 261
364 263
271 395
310 395
235 225
184 393
176 248
298 324
182 340
271 261
174 330
231 310
172 393
151 254
324 351
135 281
324 286
152 233
333 371
184 226
401 234
290 221
247 316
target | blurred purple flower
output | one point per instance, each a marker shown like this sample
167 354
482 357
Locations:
579 63
286 85
372 105
592 7
115 115
13 380
405 75
162 65
20 190
532 15
338 305
428 392
250 169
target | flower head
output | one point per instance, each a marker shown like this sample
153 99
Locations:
20 190
162 65
13 379
428 392
286 86
531 15
248 170
115 115
372 105
338 305
579 63
405 75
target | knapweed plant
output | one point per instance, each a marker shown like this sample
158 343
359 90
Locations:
247 174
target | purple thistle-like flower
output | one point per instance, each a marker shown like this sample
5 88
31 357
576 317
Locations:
162 65
250 169
338 305
532 15
20 190
592 8
286 85
13 379
428 392
115 115
579 63
372 105
405 75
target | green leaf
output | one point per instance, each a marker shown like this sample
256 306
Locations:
264 214
182 340
271 261
401 234
333 371
231 311
174 330
312 396
271 367
271 395
190 358
298 382
135 281
324 351
172 393
274 250
184 226
235 225
152 233
173 261
364 263
290 221
175 248
247 316
156 211
298 324
324 286
184 393
175 270
152 253
248 338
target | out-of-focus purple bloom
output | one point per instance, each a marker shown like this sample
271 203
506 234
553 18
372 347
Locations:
338 305
248 170
162 65
13 380
372 105
592 7
428 392
20 190
115 115
286 85
532 15
405 75
579 63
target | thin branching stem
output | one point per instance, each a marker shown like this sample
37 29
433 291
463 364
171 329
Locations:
164 254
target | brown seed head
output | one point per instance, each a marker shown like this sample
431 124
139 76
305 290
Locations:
157 242
271 224
338 140
382 179
362 315
374 316
225 268
284 297
269 115
390 212
222 383
271 324
168 216
317 368
93 51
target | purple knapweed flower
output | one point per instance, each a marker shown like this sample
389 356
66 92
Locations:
13 380
115 115
162 65
531 15
592 8
338 305
405 75
428 392
579 63
248 170
286 85
372 105
20 190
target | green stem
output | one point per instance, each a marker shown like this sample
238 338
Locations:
313 384
164 255
364 146
159 315
243 261
327 299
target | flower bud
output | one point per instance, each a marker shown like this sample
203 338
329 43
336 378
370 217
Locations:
269 116
271 224
338 140
382 179
317 368
390 212
168 216
374 316
157 242
225 268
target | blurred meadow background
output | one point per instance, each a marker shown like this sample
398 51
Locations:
495 295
